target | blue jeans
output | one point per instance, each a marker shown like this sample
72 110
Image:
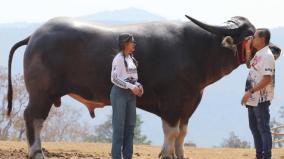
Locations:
123 122
259 125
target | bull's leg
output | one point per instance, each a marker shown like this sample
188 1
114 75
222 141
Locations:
188 109
35 114
170 135
180 141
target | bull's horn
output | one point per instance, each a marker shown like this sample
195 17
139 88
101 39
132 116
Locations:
223 30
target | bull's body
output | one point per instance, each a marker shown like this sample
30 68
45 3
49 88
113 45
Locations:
176 62
67 56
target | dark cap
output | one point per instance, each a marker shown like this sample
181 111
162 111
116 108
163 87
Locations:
124 38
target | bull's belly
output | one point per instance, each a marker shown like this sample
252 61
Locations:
90 104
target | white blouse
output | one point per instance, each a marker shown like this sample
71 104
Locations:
121 76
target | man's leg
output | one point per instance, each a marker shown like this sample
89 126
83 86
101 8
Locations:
263 118
130 122
256 134
118 102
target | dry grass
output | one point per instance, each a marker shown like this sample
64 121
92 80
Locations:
17 150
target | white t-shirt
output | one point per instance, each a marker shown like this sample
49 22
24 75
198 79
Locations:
263 63
120 75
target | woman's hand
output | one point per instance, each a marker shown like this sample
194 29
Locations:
136 90
141 90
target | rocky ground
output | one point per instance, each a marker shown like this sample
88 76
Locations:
17 150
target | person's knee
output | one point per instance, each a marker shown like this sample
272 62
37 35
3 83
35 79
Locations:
265 131
118 129
253 128
131 123
263 126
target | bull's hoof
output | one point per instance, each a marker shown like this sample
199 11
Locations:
182 157
37 155
167 154
166 157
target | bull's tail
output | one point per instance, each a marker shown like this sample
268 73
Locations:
10 88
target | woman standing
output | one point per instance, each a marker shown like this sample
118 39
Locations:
123 97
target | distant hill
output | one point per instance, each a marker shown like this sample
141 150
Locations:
219 111
130 15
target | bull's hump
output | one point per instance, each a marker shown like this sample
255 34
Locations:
91 25
67 22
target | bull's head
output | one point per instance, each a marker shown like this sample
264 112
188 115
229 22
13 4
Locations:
234 34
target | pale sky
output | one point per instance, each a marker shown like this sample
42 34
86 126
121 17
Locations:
262 13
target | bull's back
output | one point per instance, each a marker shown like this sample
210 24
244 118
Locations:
66 56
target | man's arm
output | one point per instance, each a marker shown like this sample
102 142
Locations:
263 83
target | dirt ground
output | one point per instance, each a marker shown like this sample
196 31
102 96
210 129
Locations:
18 150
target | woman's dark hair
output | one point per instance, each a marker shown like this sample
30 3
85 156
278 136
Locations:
122 40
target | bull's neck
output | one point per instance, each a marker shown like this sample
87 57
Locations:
211 60
219 63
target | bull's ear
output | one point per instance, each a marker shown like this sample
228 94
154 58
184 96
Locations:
228 42
276 51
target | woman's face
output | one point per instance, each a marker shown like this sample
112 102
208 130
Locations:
129 47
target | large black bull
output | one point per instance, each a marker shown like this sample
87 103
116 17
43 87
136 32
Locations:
176 62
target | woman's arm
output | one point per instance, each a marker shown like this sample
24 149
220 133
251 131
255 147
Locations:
117 66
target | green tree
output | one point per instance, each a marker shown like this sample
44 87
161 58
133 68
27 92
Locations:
138 137
235 142
103 132
12 128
